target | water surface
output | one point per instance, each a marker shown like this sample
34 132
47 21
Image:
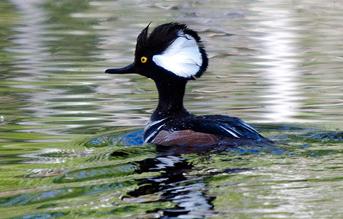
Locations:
70 136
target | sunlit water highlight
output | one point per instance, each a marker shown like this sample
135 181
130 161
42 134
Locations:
278 58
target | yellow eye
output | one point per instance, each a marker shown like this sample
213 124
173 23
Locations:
144 59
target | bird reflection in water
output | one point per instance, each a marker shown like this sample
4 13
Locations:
173 185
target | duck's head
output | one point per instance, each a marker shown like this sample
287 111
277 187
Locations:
170 51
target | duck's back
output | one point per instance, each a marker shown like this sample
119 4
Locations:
202 131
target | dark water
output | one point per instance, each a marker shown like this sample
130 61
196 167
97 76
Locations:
70 139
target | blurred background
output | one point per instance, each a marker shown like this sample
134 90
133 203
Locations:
272 63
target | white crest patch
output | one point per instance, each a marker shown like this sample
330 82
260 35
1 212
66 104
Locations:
182 57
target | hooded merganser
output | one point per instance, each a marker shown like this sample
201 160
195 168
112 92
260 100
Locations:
171 55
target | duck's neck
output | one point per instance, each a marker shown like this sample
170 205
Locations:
170 99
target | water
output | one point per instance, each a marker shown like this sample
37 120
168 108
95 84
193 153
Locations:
70 136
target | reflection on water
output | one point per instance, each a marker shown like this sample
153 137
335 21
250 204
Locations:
187 194
278 56
67 148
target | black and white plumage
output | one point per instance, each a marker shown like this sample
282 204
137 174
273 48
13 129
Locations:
219 129
171 55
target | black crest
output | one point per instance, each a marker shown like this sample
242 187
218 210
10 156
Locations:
162 37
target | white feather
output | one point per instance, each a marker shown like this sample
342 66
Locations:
153 134
248 127
150 124
182 57
230 131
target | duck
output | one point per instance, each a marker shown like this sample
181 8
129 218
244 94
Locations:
172 55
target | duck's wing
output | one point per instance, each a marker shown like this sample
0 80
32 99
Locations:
202 130
226 126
